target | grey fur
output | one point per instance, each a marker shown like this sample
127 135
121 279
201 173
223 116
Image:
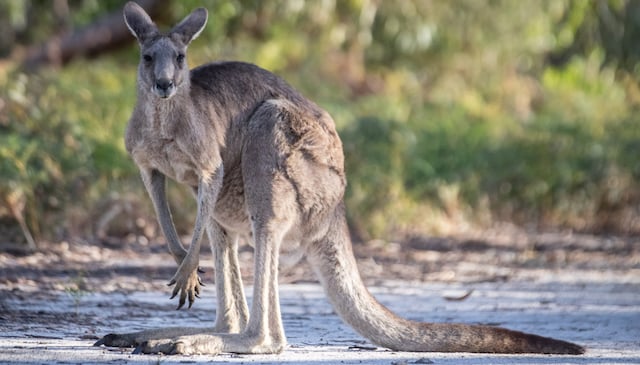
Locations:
267 166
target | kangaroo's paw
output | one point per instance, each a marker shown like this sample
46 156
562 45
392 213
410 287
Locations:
188 284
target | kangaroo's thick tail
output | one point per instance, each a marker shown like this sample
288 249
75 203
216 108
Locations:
334 262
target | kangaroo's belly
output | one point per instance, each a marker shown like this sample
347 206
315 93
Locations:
231 212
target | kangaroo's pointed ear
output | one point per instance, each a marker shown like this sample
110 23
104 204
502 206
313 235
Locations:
139 22
191 26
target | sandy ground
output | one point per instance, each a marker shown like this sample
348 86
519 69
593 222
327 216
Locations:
56 303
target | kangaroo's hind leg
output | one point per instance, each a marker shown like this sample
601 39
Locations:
232 312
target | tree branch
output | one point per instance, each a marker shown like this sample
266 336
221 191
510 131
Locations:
104 35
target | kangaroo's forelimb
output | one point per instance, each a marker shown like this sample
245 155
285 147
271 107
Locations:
186 280
155 183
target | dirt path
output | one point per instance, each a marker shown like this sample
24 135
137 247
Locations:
54 304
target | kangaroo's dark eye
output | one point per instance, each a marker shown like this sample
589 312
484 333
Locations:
147 58
180 58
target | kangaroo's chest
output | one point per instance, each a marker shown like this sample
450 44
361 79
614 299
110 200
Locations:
156 148
174 162
166 155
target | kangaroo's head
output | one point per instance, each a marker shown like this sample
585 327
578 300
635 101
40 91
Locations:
163 66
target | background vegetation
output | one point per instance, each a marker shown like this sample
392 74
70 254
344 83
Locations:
454 114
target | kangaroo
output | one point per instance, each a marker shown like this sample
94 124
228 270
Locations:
266 165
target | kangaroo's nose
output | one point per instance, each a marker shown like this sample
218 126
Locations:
164 84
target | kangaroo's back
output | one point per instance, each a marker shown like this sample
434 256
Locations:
235 89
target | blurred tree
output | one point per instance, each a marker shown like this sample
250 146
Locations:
475 110
612 26
102 35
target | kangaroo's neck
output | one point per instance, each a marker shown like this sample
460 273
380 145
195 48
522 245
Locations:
169 117
166 114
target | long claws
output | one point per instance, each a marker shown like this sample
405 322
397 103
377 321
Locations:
183 298
192 298
188 288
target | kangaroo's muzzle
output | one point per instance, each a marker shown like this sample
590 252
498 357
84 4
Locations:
164 88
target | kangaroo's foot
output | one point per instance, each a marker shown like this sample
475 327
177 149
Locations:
153 342
135 339
206 344
119 340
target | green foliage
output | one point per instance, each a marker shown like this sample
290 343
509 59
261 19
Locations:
41 150
61 138
451 113
568 164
